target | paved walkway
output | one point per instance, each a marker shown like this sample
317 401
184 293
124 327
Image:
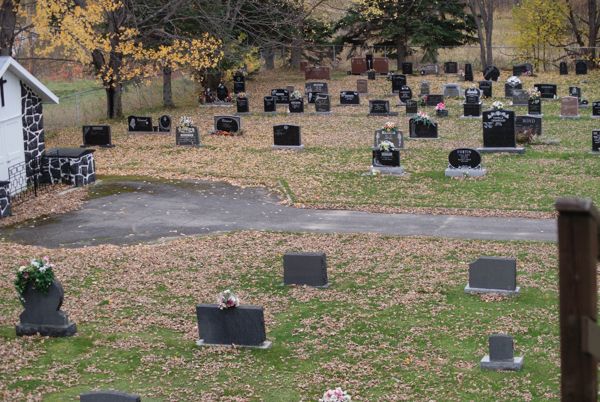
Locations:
151 211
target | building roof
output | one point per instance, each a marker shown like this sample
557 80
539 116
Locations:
8 63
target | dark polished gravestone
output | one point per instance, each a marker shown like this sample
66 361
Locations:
239 83
547 91
394 136
349 98
501 354
528 126
468 72
534 107
232 124
486 88
509 89
596 110
581 67
305 269
240 326
311 89
99 136
164 124
493 275
242 105
520 97
407 68
472 105
281 95
464 162
387 162
296 106
412 107
450 67
322 104
380 108
287 136
434 99
418 129
595 141
108 396
187 136
398 81
269 104
563 68
524 68
42 313
499 132
405 93
137 124
491 73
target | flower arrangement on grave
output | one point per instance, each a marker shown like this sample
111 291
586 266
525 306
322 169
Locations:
497 105
389 126
38 272
241 95
422 118
227 299
534 94
513 81
386 146
224 133
296 95
336 395
440 106
185 121
371 70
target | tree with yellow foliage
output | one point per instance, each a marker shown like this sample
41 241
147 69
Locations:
539 24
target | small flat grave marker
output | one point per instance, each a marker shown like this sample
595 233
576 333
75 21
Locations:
569 107
108 396
434 99
240 326
349 98
380 108
501 354
232 124
97 136
305 269
493 275
287 136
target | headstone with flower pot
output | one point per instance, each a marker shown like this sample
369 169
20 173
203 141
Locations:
240 325
440 110
596 141
569 107
491 73
421 126
42 296
223 93
380 108
296 104
389 133
108 396
499 131
563 68
322 104
362 86
242 104
527 128
547 91
407 68
501 354
468 72
534 105
405 94
314 88
287 136
451 90
520 97
412 107
472 105
596 110
231 124
281 95
433 99
581 67
464 162
486 88
305 269
269 104
386 160
186 133
450 67
398 80
349 98
512 84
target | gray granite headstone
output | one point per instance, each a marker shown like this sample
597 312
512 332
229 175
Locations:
242 326
520 97
501 354
305 269
452 90
108 396
493 275
42 313
424 88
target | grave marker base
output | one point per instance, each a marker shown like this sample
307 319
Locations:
471 117
465 172
384 114
515 365
108 145
569 117
264 345
505 292
387 170
288 147
46 330
510 150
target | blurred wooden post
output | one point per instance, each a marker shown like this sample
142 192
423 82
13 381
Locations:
578 239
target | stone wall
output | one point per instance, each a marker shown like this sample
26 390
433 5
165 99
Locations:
33 127
4 200
79 171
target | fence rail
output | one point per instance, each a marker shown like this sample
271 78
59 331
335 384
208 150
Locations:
25 181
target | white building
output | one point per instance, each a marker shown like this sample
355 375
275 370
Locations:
21 118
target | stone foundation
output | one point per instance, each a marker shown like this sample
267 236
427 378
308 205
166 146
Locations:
33 128
69 168
4 199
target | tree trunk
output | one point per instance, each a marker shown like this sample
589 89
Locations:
114 104
167 88
8 23
401 51
593 31
296 54
269 56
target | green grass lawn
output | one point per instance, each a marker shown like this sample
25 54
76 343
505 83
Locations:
395 323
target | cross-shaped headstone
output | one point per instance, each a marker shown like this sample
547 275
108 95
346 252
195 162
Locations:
2 82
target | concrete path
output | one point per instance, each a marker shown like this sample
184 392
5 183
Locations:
146 211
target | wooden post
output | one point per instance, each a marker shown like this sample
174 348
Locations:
578 231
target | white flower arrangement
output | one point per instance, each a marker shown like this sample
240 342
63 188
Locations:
227 299
336 395
534 94
186 121
513 81
386 146
389 126
497 105
39 273
296 95
241 95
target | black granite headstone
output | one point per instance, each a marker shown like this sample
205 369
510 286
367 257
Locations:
407 68
242 105
596 109
164 124
468 72
349 98
313 88
281 95
534 106
188 136
421 130
528 126
139 124
501 347
393 136
286 135
222 92
108 396
405 93
239 83
595 140
563 68
450 67
464 158
581 67
547 91
42 313
322 103
231 124
472 107
305 269
242 325
398 80
412 107
386 158
499 129
379 107
269 104
434 99
97 136
491 73
525 68
486 88
473 92
493 273
296 106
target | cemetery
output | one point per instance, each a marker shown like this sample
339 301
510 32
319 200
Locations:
387 229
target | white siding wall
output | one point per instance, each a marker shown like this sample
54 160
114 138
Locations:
11 126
